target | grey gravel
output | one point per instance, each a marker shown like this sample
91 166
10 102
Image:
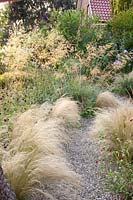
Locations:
84 155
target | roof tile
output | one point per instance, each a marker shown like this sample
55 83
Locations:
101 8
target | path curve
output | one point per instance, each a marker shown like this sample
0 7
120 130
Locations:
83 154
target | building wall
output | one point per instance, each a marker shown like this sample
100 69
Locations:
82 4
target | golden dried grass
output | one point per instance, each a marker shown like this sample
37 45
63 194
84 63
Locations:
56 48
107 100
35 155
34 47
28 119
27 171
67 110
16 55
116 126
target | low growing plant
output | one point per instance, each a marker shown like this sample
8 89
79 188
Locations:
120 179
34 156
124 85
123 62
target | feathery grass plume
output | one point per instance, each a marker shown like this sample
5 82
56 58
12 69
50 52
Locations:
27 171
6 192
53 128
107 100
66 109
46 136
16 55
27 120
116 126
35 155
31 141
34 158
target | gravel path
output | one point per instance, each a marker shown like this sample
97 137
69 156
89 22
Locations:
84 156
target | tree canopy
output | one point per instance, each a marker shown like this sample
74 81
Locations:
31 12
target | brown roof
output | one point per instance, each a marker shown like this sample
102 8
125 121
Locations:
101 8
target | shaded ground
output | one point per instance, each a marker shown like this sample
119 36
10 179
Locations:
83 154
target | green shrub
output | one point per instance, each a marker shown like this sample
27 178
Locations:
119 5
124 85
31 13
128 67
122 27
77 28
18 93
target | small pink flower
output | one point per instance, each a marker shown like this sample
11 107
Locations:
117 62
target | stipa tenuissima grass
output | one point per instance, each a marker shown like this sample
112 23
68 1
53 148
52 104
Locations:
116 126
35 155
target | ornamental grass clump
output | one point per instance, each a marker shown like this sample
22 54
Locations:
107 100
78 28
116 126
67 110
16 54
34 49
27 170
28 119
35 157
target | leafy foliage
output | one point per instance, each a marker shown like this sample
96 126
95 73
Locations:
119 5
32 12
122 28
77 28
